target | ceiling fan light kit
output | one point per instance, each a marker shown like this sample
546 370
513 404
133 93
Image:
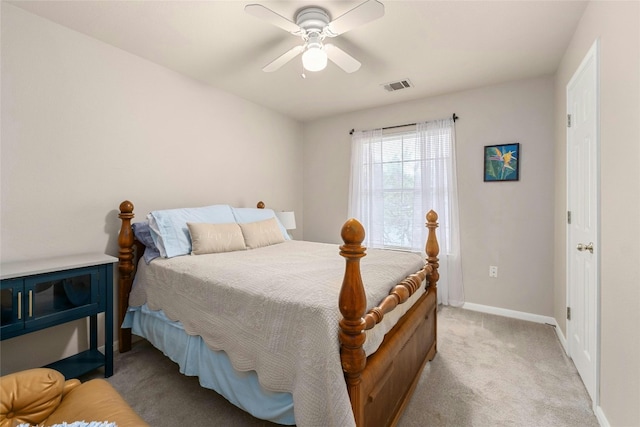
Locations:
313 24
314 58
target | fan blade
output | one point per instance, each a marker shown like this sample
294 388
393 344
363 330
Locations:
361 14
259 11
283 59
341 58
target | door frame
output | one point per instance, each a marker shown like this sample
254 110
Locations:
592 54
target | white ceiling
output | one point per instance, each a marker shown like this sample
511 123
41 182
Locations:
441 46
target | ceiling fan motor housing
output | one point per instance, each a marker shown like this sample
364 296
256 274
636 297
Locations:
313 20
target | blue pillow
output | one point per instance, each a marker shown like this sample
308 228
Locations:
169 227
142 231
245 215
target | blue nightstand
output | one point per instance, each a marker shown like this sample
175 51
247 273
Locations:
39 294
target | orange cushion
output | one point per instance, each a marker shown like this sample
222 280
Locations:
29 396
95 400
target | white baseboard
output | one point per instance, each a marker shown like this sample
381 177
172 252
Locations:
561 338
537 318
115 347
601 418
510 313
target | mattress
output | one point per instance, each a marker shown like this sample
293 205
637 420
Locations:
274 311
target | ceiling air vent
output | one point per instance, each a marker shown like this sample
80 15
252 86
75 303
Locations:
401 84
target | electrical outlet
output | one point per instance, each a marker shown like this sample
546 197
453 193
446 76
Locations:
493 271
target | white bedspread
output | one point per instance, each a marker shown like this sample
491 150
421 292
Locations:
274 310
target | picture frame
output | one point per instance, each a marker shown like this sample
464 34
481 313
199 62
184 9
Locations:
502 162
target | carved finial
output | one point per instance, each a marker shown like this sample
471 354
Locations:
260 205
432 248
126 207
352 232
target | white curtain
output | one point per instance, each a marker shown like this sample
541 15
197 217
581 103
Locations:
365 196
396 178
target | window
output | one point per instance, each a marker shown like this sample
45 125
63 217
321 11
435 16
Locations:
398 158
396 178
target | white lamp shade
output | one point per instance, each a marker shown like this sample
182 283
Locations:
287 219
314 59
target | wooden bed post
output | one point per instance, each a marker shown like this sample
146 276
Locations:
433 249
353 303
354 322
125 268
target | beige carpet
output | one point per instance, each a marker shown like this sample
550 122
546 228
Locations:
489 371
496 371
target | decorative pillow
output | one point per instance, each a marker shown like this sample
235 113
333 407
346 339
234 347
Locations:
262 233
214 238
142 231
244 215
169 227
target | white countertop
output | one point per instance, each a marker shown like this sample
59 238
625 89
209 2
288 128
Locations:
11 270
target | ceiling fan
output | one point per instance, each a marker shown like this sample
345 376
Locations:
313 24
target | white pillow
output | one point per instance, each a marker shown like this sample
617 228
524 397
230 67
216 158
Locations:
215 238
262 233
169 227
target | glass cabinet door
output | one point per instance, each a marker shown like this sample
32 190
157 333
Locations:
60 295
11 301
51 296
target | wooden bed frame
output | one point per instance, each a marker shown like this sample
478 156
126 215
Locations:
379 386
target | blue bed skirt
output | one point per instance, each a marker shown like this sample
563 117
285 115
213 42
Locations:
213 368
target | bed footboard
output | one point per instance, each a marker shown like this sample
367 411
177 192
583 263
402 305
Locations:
381 386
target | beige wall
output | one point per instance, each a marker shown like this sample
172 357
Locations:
86 125
505 224
617 25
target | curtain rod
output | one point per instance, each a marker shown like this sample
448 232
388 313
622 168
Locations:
454 117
